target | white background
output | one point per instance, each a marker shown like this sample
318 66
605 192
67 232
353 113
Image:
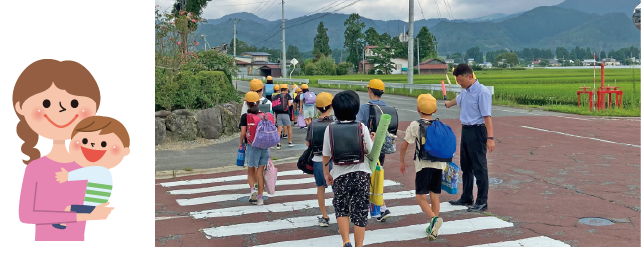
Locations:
114 41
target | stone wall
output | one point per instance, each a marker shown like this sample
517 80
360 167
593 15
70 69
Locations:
208 123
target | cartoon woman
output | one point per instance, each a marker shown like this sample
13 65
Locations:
50 98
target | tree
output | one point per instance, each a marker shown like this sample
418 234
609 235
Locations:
511 58
325 66
544 63
561 52
428 46
490 56
292 52
385 39
399 48
321 42
475 53
189 23
354 38
602 55
457 57
382 61
372 37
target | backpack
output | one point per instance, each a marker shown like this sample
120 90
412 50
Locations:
269 88
375 113
264 107
279 104
309 98
438 142
262 132
318 134
305 162
346 141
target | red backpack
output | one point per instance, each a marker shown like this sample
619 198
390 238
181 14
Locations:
252 123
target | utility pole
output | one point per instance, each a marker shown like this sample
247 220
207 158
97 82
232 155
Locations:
418 56
235 22
410 46
284 60
364 58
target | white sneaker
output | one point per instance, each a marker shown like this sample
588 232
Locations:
259 202
252 197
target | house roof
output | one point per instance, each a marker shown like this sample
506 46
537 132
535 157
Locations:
373 47
257 54
271 66
433 61
433 67
242 62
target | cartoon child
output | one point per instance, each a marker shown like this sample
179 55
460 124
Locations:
98 144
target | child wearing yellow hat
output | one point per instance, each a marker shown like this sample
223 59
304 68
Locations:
256 85
269 88
306 108
428 173
283 121
324 105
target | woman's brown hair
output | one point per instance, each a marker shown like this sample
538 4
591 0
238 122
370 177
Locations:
38 77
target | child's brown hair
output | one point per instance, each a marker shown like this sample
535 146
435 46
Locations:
105 125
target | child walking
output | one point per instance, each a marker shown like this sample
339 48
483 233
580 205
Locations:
428 173
283 121
306 107
314 138
350 183
257 158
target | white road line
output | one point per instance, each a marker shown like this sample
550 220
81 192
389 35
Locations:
239 186
401 233
540 241
567 134
224 179
304 221
281 207
168 218
574 118
228 197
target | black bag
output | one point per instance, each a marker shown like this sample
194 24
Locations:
346 140
305 162
375 117
264 107
279 104
318 134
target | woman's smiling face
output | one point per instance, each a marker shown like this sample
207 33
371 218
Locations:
54 113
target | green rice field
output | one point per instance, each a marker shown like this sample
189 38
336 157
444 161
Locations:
546 88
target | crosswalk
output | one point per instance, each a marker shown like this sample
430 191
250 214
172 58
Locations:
292 214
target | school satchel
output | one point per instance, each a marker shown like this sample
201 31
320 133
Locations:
264 107
318 134
346 141
305 162
309 98
375 113
262 132
279 104
437 141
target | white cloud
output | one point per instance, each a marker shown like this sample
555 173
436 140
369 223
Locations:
373 9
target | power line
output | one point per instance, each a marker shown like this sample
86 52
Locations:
448 9
438 10
419 5
261 13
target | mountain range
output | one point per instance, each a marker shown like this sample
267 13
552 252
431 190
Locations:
598 24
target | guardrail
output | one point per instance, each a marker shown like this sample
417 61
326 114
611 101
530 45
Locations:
242 76
432 87
292 80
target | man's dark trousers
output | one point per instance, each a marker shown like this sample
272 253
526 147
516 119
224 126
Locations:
474 163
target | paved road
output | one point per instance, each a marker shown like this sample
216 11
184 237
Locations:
547 173
224 154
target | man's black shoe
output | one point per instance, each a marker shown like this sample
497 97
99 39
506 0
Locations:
461 202
477 208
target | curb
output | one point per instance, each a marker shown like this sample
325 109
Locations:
168 174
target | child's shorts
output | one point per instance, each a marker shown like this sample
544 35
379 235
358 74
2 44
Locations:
255 156
351 197
319 176
283 120
428 180
308 111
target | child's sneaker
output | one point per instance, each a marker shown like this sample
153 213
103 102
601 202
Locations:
347 244
291 144
279 147
259 202
253 196
323 222
432 230
384 216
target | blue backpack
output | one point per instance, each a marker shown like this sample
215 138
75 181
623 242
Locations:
269 88
437 141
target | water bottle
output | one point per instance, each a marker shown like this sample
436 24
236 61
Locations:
240 159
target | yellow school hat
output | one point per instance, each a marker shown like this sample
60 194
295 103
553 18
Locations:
426 103
324 99
269 78
251 96
376 84
299 90
304 86
255 85
284 86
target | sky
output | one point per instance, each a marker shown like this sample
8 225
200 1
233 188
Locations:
373 9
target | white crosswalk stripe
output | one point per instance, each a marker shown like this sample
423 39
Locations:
302 220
